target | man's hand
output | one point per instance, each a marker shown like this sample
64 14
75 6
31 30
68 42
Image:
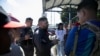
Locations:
27 37
55 41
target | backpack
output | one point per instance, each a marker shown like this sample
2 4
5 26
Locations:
94 29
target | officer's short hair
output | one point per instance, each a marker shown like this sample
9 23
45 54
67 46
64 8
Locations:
42 19
29 18
88 4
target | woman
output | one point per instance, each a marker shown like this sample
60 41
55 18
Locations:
60 33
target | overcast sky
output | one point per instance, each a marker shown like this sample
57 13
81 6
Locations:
22 9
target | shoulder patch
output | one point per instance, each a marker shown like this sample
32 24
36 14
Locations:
37 32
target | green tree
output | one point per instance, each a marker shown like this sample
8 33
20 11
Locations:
65 14
98 14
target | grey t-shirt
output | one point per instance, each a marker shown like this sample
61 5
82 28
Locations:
15 51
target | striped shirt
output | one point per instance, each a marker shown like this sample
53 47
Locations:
15 51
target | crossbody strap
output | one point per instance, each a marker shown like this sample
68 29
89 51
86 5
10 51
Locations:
75 43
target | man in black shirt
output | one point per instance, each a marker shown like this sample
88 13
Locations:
26 38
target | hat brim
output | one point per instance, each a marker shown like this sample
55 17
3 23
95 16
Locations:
13 24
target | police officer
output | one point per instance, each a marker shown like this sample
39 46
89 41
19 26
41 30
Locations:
41 39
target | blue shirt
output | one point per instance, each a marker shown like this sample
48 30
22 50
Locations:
85 43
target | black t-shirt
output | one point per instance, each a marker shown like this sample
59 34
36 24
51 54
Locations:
24 32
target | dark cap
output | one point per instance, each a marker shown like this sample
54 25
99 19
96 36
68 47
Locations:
60 24
3 19
88 4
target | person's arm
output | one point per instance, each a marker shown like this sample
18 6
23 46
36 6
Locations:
70 41
56 33
65 34
22 34
37 41
22 51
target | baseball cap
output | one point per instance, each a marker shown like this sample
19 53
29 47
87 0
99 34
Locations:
7 21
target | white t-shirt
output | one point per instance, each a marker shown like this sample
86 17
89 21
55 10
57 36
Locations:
15 51
60 34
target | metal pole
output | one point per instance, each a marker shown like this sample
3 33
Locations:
51 18
54 18
44 5
70 17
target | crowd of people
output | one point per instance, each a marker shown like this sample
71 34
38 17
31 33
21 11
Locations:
17 39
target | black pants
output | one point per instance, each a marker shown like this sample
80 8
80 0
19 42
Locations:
28 48
44 53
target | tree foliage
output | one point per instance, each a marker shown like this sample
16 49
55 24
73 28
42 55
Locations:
65 14
98 14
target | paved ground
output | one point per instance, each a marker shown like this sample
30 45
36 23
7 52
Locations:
53 51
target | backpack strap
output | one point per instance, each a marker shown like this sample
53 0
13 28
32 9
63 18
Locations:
93 27
75 42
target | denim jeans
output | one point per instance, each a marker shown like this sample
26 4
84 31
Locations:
60 48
